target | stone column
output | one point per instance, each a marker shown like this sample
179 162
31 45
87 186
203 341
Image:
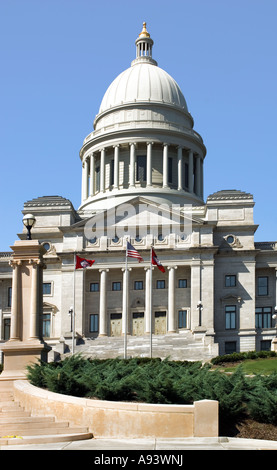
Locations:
191 189
103 303
92 175
149 164
180 168
85 179
132 164
165 166
15 311
102 170
34 314
26 344
171 299
116 167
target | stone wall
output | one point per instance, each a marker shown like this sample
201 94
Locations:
106 419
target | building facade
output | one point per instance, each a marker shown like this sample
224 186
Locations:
142 182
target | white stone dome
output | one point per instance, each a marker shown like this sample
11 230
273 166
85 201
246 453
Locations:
143 82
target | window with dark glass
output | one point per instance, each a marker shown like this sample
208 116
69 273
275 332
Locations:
46 322
97 178
9 296
138 285
94 287
7 328
186 175
46 288
263 285
112 173
263 317
94 323
141 168
230 317
182 319
230 347
116 286
161 284
170 170
230 280
182 283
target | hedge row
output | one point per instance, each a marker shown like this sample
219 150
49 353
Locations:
156 381
242 356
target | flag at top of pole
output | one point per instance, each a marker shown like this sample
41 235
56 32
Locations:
132 252
82 263
157 262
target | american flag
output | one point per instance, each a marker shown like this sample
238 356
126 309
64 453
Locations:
132 253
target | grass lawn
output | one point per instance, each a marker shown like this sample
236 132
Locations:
254 366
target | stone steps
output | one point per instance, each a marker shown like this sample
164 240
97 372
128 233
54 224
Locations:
176 346
18 426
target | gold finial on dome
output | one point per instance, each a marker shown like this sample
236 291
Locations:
144 33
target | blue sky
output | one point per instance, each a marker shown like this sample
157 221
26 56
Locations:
59 56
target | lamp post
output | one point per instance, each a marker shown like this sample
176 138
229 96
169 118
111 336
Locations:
200 307
29 220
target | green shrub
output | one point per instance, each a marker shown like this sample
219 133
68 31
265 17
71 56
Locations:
156 381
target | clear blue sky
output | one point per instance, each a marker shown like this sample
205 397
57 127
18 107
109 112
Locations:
59 56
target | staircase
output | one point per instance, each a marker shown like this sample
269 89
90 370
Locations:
175 346
17 426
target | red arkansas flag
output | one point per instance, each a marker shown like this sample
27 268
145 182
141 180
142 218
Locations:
82 263
157 262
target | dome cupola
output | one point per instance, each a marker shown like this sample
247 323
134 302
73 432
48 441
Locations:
143 142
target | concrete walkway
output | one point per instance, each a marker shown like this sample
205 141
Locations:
221 443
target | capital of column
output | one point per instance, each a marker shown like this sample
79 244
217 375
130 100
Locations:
15 263
172 267
103 269
128 269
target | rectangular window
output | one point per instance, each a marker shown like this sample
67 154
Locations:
230 347
230 317
97 179
116 286
266 345
112 173
182 319
9 296
138 285
94 287
230 280
47 288
186 175
94 323
170 170
182 283
160 284
263 317
46 323
141 168
263 285
7 328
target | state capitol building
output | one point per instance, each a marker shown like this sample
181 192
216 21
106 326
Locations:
142 183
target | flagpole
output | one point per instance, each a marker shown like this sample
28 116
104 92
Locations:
150 302
73 312
126 303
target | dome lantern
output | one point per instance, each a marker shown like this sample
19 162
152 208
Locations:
144 45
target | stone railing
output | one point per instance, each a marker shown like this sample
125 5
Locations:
122 419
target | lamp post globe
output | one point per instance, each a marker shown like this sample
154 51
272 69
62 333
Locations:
29 221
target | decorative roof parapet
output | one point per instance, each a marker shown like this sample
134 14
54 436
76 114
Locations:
229 194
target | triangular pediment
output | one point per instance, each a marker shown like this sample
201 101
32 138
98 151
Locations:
140 214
